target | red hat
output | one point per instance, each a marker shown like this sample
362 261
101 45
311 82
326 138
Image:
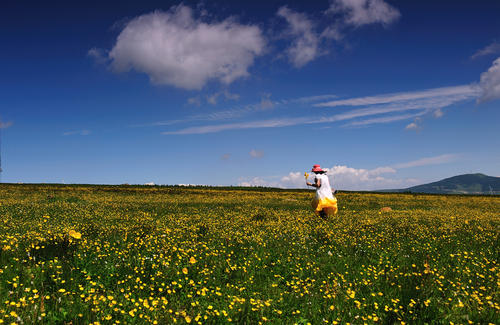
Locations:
317 168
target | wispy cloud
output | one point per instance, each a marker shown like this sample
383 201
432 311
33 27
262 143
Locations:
305 44
194 101
241 125
256 153
309 43
493 48
309 99
455 93
442 159
5 125
77 132
362 12
212 99
386 119
424 102
429 101
99 55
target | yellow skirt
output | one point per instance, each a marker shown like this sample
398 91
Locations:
327 205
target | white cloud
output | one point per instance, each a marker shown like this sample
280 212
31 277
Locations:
332 32
293 177
231 96
362 12
212 99
412 126
309 99
194 101
77 132
423 101
256 153
242 125
99 55
438 113
437 160
266 102
305 44
258 181
5 125
454 93
385 119
493 48
349 178
175 48
341 177
490 83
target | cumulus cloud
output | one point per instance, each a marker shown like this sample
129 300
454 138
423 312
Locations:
349 178
438 113
176 48
362 12
490 83
412 126
258 181
493 48
305 44
256 153
341 177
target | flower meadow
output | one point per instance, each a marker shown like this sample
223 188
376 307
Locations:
140 255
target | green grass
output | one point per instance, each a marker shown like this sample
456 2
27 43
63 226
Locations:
217 255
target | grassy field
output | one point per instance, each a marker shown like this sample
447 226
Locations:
109 254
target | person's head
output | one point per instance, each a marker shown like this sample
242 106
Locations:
317 169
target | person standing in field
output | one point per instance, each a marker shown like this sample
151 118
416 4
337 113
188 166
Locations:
324 203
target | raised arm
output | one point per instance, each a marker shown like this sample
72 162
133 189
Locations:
317 183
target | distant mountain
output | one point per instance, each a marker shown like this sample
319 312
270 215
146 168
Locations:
461 184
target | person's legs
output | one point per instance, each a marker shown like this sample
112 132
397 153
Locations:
323 214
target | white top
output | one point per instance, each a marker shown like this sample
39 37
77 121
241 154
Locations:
324 191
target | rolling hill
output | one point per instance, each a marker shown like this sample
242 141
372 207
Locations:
461 184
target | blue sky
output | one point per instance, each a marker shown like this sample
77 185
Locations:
384 94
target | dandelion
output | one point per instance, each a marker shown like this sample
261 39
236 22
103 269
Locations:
75 234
